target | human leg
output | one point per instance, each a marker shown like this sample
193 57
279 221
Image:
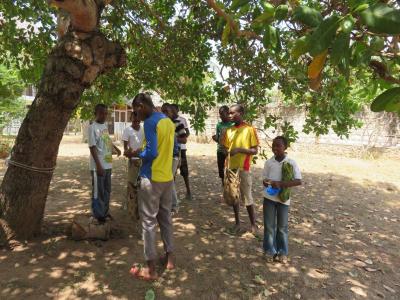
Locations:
175 199
282 243
247 196
149 201
99 208
221 157
269 212
184 170
165 221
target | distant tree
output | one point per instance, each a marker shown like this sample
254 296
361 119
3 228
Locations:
11 104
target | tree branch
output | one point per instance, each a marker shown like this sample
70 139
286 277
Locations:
381 70
151 11
240 33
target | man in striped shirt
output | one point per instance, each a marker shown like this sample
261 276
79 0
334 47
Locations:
156 183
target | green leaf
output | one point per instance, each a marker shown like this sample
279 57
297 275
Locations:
236 4
300 46
360 54
388 101
150 295
270 39
281 12
265 17
377 43
340 48
347 24
361 7
268 7
382 18
225 35
307 16
323 36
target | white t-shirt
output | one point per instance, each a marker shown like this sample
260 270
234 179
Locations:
273 171
134 138
99 137
183 121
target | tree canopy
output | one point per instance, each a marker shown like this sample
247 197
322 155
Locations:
327 57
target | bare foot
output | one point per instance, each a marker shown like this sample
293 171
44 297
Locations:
168 261
143 273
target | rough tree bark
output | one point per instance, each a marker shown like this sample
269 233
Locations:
75 62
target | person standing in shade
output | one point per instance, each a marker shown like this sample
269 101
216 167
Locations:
133 137
101 150
180 134
220 130
156 183
241 143
184 168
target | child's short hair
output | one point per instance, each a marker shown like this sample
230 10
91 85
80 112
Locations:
239 107
99 106
175 106
224 108
283 139
143 98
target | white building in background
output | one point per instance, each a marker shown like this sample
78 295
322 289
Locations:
28 96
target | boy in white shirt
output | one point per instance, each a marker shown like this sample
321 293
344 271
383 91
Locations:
101 150
276 207
133 137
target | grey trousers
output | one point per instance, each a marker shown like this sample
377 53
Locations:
155 199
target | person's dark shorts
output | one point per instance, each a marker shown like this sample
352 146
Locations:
221 157
184 169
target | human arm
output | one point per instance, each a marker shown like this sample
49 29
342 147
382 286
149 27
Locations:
182 139
185 124
150 150
296 181
253 142
250 151
116 149
125 146
285 184
187 132
125 140
99 167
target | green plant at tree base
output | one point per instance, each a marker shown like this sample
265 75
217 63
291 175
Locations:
258 46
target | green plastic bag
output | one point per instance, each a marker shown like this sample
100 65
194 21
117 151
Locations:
287 175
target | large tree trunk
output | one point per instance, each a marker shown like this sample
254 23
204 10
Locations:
72 66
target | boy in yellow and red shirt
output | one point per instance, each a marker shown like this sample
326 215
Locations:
241 142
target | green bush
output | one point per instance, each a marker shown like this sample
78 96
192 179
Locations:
5 146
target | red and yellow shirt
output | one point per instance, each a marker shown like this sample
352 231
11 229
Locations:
240 136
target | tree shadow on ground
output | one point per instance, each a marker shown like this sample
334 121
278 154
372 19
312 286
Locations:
343 240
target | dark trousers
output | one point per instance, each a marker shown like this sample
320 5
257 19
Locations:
101 191
184 169
221 157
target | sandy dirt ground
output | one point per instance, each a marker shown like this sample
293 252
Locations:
343 237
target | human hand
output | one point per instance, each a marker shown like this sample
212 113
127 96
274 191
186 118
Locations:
276 184
266 182
235 151
100 171
118 152
136 153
